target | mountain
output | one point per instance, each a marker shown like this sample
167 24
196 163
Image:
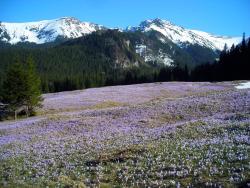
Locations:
69 27
93 60
111 45
157 41
70 54
46 31
184 37
179 45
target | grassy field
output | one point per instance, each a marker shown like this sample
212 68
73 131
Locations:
175 134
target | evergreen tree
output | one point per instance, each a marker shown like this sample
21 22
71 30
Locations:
33 86
185 74
243 43
14 88
21 89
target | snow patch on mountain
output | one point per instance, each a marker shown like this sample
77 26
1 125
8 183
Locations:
141 49
161 58
148 56
245 85
165 59
45 31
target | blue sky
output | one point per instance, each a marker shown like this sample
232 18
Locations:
222 17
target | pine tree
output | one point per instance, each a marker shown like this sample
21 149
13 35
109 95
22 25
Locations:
186 73
33 90
243 43
14 87
21 89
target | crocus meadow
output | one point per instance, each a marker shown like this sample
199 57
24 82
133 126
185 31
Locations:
175 134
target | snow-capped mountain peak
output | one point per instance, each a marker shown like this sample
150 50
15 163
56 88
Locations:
183 37
46 30
157 21
70 27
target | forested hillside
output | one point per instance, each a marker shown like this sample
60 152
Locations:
101 58
88 62
111 57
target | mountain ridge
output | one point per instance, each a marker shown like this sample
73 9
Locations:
46 30
69 27
181 36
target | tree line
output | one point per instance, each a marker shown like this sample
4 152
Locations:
233 64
